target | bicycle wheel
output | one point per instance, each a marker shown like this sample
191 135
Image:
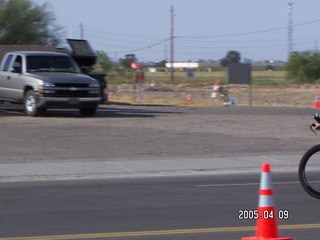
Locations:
309 171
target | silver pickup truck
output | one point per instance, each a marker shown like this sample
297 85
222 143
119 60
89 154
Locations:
42 80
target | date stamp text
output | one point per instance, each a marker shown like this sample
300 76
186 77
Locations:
250 214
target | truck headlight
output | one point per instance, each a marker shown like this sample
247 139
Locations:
43 87
47 85
46 91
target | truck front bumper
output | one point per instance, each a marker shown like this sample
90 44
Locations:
67 102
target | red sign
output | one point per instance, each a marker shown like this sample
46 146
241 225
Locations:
135 65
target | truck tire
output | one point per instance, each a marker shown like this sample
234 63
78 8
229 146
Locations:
30 104
88 112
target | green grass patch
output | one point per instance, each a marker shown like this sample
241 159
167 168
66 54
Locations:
259 77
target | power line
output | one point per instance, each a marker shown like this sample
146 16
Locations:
208 36
194 39
233 34
250 33
142 48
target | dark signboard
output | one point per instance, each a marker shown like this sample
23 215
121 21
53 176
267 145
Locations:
239 73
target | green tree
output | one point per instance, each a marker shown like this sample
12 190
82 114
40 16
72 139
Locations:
128 60
231 57
23 22
304 66
161 64
104 63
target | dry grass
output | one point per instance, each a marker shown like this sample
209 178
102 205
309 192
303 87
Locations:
286 95
269 88
201 77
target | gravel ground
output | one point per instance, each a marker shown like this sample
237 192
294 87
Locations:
153 132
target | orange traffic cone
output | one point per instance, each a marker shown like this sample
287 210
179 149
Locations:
267 217
110 95
317 101
189 97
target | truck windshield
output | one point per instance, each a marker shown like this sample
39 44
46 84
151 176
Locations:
51 64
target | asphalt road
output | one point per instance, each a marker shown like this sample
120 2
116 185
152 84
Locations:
175 208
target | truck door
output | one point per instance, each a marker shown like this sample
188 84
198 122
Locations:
13 80
4 76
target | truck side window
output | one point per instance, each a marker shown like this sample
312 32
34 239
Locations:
7 63
17 65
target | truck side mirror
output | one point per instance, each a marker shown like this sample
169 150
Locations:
16 68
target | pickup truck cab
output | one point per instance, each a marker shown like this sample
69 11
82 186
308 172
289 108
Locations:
42 80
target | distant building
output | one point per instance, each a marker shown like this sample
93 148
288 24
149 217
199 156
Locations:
268 65
183 65
211 64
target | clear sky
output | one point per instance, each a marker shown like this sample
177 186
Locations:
203 29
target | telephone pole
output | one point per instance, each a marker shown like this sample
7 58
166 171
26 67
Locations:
290 29
81 31
172 42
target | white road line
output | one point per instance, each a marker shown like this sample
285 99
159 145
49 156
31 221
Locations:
245 184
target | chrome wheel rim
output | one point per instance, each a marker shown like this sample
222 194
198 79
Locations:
30 103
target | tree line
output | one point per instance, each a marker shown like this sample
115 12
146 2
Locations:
23 22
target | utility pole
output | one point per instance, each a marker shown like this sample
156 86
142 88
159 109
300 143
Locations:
81 31
166 53
290 29
172 42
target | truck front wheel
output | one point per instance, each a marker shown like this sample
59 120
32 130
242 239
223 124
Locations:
89 111
30 104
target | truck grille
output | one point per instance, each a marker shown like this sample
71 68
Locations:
67 93
75 90
69 85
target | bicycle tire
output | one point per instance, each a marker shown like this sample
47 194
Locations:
302 171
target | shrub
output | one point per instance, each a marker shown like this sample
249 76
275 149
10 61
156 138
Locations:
304 67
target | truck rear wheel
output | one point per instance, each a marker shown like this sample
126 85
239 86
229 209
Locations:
30 104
